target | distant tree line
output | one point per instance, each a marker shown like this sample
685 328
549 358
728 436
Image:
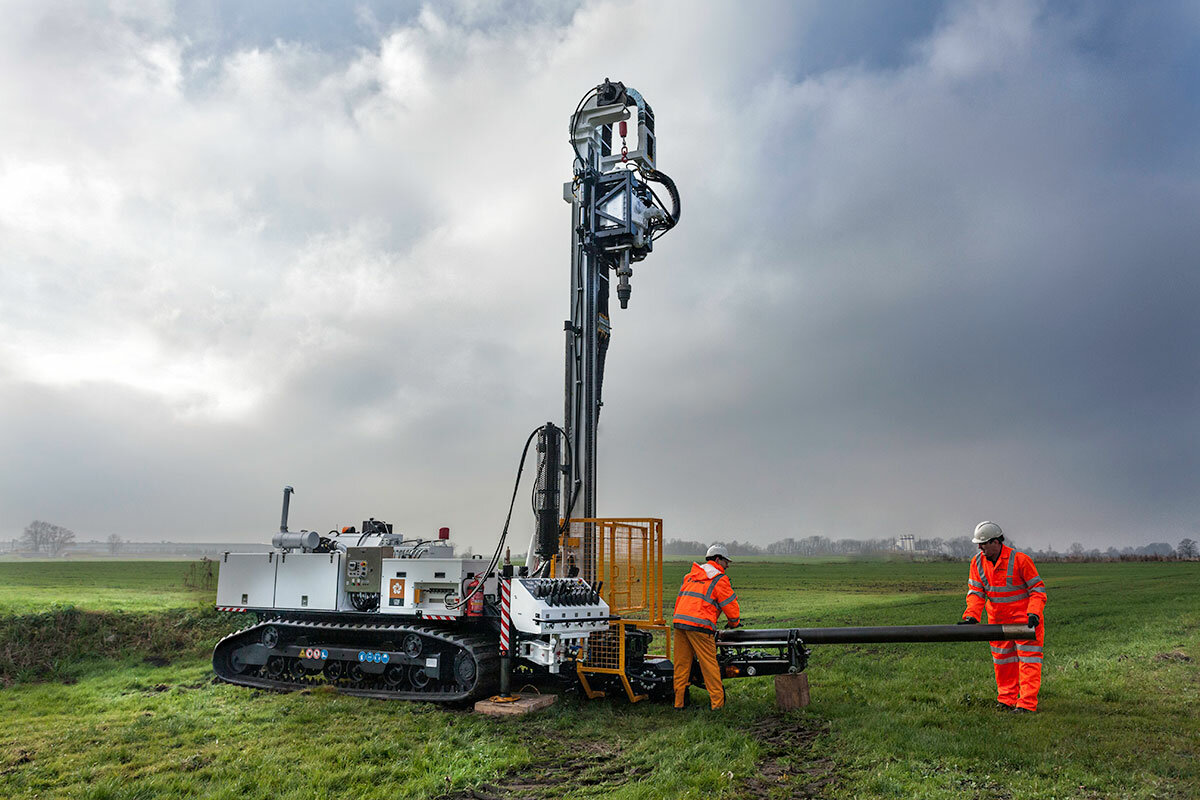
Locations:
958 548
46 538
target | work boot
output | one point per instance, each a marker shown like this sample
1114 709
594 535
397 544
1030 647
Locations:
1005 707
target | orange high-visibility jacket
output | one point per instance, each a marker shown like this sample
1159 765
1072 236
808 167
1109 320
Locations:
706 592
1011 588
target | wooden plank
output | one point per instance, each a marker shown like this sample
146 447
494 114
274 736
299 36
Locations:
791 691
524 704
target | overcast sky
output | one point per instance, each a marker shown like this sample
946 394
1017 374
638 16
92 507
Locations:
937 263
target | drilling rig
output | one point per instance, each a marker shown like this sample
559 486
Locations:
370 611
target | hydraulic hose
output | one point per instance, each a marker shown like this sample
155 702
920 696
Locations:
504 532
655 176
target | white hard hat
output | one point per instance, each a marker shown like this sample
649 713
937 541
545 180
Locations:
986 531
717 550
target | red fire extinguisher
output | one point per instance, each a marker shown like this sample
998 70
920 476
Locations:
475 604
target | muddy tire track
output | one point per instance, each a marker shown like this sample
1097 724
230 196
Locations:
785 770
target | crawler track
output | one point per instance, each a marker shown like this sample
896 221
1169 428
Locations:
407 661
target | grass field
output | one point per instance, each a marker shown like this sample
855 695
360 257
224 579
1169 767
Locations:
130 710
31 586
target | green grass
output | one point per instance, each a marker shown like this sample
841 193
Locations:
32 586
1118 707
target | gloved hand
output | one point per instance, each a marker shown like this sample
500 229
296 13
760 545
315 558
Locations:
1034 619
968 621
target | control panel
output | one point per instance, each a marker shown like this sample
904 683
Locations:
363 568
566 606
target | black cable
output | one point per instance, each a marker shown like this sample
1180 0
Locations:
365 534
504 532
575 489
654 176
574 116
533 492
659 204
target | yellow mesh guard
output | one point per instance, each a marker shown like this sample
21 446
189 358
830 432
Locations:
628 561
628 553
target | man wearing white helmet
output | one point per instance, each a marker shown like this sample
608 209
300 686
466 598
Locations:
1006 583
706 594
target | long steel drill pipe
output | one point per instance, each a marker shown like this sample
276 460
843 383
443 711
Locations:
878 635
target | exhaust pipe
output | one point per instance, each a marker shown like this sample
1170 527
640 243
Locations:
287 497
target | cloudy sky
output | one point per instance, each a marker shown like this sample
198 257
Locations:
937 263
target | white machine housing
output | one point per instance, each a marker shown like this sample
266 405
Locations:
247 580
292 581
309 582
422 587
560 626
539 615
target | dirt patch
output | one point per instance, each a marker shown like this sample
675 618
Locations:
983 790
587 764
12 759
788 769
194 762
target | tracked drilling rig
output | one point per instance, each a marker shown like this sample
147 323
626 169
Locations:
373 612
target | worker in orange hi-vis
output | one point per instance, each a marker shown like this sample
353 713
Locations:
706 594
1007 584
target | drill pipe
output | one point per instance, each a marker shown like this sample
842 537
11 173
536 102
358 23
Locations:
878 634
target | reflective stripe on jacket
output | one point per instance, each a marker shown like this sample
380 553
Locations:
1011 588
705 594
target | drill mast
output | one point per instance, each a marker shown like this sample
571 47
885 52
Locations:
615 217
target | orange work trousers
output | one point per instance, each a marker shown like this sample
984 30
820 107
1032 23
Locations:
701 645
1019 670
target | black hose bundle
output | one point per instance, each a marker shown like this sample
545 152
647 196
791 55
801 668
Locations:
508 519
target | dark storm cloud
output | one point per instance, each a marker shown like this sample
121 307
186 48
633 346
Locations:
936 264
974 297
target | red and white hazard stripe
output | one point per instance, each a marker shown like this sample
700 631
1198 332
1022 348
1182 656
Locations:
504 619
229 608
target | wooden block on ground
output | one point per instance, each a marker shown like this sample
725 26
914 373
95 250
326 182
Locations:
791 691
524 704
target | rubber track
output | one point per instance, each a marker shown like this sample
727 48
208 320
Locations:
483 648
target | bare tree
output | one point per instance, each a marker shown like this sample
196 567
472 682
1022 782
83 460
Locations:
1188 549
36 536
59 539
961 547
114 544
44 537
